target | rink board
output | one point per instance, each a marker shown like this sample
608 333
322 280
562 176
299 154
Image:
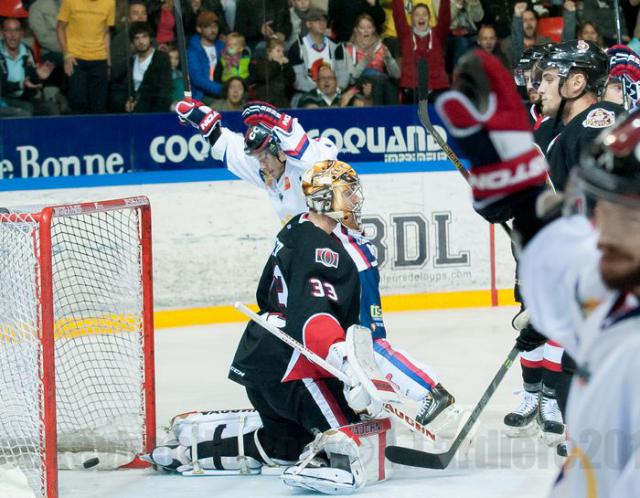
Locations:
211 240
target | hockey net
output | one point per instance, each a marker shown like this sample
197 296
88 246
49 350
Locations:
75 307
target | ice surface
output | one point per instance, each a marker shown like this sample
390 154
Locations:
466 347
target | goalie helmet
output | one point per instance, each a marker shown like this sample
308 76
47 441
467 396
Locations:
610 170
333 188
575 55
258 139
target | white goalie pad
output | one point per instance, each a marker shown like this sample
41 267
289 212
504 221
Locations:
343 460
359 346
180 451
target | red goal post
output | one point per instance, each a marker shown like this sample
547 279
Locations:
76 338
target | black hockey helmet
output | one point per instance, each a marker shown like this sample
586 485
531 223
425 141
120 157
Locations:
528 58
258 139
610 170
575 55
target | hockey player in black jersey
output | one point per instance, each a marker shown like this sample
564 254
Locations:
580 271
571 78
310 289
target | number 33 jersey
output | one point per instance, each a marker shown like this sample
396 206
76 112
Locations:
309 289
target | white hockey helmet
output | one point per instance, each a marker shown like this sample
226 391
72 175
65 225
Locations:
333 188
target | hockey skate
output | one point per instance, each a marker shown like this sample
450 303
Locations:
520 421
434 404
550 421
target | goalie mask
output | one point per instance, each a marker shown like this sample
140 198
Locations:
333 188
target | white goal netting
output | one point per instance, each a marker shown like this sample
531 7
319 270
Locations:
94 319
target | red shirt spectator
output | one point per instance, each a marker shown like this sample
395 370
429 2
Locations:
420 41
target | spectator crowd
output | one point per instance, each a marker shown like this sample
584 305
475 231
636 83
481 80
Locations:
121 56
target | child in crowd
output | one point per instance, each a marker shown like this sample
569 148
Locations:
272 78
236 57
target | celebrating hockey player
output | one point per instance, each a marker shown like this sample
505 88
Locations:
310 289
566 262
273 156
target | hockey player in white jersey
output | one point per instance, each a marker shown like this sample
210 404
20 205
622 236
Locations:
589 255
273 155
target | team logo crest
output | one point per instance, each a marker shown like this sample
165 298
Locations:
599 118
583 46
287 183
327 257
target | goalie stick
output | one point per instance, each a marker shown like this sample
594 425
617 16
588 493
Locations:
425 121
417 458
393 410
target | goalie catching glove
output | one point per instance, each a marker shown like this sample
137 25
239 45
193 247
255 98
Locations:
199 116
485 114
264 114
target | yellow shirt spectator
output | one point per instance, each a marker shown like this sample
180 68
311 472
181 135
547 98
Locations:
389 30
87 23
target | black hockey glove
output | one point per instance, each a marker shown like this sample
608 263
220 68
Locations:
529 339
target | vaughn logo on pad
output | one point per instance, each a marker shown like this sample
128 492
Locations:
327 257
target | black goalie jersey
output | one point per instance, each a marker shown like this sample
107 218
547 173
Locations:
310 289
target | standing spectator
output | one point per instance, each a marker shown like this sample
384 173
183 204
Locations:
119 91
20 77
389 34
204 54
291 21
42 21
465 14
191 9
498 13
313 50
254 19
326 93
524 33
235 91
589 31
150 73
236 58
177 81
488 41
164 24
586 31
344 14
272 79
367 57
603 15
418 40
83 34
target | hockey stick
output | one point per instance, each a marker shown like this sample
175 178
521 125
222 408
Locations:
182 48
425 121
402 417
416 458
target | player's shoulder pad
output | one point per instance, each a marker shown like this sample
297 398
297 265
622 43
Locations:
601 115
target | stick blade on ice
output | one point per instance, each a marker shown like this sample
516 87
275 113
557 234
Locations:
417 458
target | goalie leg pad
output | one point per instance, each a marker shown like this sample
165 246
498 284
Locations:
224 440
354 456
361 359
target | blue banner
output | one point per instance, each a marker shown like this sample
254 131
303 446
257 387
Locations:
116 144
